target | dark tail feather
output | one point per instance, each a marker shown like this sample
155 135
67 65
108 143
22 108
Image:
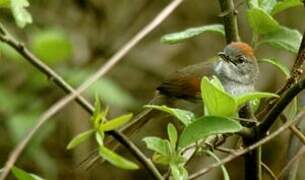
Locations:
138 121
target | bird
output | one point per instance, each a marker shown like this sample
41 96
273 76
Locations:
236 68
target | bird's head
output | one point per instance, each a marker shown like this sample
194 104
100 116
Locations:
238 63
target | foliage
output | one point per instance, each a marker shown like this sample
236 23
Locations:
283 38
19 11
100 125
185 117
206 126
166 152
267 30
276 63
220 107
20 174
191 32
45 45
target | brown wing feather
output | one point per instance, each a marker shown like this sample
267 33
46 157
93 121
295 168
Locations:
185 83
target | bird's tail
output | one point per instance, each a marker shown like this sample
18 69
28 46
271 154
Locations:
138 121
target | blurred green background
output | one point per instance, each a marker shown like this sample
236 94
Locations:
76 37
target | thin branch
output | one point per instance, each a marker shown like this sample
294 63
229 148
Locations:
294 130
225 150
284 100
269 171
249 148
294 147
105 68
230 20
232 151
298 134
292 161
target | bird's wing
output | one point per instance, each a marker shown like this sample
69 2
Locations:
185 83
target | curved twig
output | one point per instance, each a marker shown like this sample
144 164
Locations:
269 171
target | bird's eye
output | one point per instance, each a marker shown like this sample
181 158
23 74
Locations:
241 59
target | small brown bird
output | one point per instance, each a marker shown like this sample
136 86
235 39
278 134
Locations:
237 69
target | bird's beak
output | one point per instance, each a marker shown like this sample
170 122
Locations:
223 56
226 58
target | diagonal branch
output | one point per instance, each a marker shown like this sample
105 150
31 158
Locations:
294 130
74 94
273 114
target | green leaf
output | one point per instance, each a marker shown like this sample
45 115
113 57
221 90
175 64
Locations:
254 104
282 67
80 138
20 174
158 145
243 99
99 137
116 160
115 123
261 22
283 38
184 116
223 168
97 105
52 46
285 4
172 135
97 116
161 159
217 101
5 3
216 82
253 3
206 126
178 172
177 37
21 15
267 5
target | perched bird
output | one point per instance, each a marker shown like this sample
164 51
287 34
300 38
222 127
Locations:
237 69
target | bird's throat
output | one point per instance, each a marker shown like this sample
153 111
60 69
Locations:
233 82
